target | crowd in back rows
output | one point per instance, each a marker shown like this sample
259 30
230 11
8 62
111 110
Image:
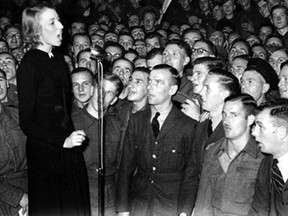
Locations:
220 49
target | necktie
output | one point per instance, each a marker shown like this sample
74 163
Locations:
276 175
209 128
155 124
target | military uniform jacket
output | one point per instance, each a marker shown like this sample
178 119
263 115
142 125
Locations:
158 176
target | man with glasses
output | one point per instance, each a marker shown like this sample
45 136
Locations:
88 121
13 37
203 48
113 51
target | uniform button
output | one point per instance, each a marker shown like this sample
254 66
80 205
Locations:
154 169
152 181
154 156
156 143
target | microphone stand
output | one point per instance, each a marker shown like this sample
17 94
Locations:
98 54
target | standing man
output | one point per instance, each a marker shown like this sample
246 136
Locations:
88 121
271 133
218 85
177 54
157 174
231 164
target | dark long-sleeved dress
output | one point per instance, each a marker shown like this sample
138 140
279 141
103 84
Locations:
57 178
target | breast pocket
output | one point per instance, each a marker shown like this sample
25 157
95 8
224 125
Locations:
244 190
173 157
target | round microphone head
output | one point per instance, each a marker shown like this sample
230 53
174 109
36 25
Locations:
97 53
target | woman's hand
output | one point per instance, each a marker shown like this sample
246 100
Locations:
24 204
76 138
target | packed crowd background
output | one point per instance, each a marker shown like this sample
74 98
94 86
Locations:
194 101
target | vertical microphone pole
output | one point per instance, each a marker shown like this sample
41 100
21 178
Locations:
98 54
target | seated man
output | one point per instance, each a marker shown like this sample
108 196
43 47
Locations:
88 120
231 164
13 165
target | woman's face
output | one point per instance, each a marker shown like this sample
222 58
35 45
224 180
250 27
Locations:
50 28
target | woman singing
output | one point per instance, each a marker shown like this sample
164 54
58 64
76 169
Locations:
57 179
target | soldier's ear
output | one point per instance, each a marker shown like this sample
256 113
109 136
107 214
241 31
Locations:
173 89
114 101
282 132
251 119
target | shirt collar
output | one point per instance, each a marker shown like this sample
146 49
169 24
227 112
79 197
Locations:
251 147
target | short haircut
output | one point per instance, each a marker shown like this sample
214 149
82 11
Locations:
84 70
116 80
125 34
279 7
122 58
181 44
278 111
80 35
114 44
247 101
284 64
211 47
10 54
155 51
274 36
191 30
81 52
227 81
237 40
269 25
16 26
136 27
153 35
281 49
211 63
131 50
175 77
142 69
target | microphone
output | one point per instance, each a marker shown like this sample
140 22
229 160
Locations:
97 53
